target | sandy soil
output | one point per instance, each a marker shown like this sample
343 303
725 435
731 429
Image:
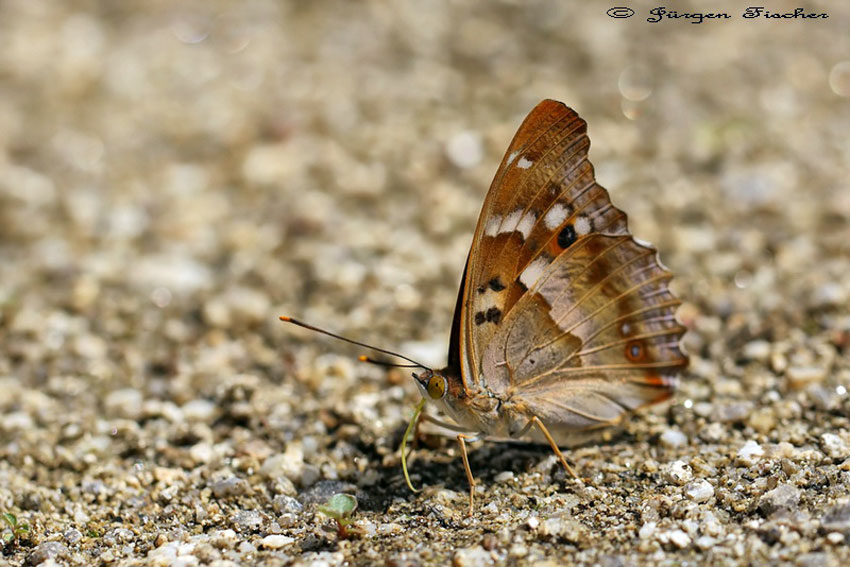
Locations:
173 178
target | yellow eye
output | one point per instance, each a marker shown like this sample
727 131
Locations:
437 387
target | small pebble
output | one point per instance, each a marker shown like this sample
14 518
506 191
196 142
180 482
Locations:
276 541
504 476
750 453
562 527
284 504
762 420
290 464
48 552
647 530
72 536
800 377
817 559
705 542
785 496
677 472
732 412
757 350
836 446
229 487
678 538
247 520
830 294
224 539
700 490
199 410
673 438
475 556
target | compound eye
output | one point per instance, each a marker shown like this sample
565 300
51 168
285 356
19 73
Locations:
437 387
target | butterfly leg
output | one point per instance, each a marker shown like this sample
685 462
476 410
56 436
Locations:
536 421
462 439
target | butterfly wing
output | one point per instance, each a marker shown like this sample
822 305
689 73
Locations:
562 311
595 336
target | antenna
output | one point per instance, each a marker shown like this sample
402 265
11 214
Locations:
415 364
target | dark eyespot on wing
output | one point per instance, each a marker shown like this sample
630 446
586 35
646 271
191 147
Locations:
496 284
567 236
494 315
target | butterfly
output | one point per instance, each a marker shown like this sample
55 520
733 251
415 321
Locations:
564 322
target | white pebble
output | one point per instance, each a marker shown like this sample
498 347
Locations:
750 453
673 438
803 376
472 557
647 530
202 453
276 541
504 476
834 446
699 490
757 350
16 421
706 542
198 410
677 537
677 472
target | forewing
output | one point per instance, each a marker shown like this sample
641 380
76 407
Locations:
542 200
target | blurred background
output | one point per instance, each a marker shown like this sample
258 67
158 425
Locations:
174 176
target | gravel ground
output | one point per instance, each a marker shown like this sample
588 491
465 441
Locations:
173 178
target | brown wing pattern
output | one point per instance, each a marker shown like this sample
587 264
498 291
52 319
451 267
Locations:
594 336
543 199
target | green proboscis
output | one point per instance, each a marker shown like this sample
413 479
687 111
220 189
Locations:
407 432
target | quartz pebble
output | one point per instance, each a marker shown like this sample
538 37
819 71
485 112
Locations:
276 541
673 438
699 490
784 497
803 376
836 446
49 552
677 472
750 453
472 557
677 538
229 487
